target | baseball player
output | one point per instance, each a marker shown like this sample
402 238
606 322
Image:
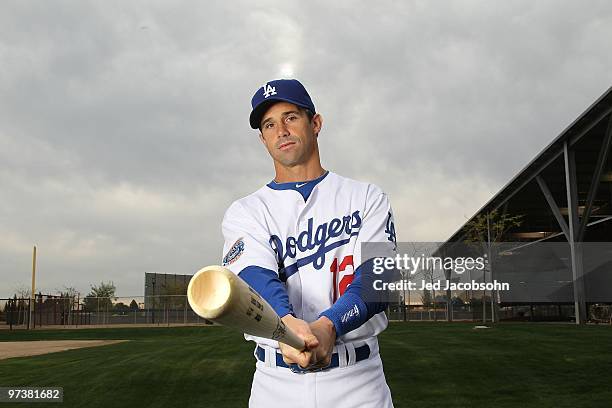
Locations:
297 241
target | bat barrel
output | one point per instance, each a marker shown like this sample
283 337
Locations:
210 291
217 294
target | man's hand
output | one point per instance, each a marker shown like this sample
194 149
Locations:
304 358
325 332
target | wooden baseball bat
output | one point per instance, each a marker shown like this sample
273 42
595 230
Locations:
217 294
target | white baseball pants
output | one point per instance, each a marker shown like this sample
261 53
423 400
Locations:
361 385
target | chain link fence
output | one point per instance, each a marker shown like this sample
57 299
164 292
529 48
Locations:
172 310
473 312
50 310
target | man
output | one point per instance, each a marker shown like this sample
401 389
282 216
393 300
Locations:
297 241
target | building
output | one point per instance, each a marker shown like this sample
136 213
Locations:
559 259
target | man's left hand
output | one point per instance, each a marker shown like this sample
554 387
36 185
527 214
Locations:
325 332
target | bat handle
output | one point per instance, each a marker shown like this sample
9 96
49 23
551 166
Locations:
291 339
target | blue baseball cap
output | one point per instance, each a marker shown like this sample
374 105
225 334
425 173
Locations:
286 90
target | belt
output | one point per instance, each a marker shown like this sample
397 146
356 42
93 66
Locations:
361 353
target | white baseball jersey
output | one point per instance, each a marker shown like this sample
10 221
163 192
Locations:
313 241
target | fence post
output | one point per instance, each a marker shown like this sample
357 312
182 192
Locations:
26 316
78 307
10 314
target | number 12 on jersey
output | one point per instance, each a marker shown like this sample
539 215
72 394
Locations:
336 268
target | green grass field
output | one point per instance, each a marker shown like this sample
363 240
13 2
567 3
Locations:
426 364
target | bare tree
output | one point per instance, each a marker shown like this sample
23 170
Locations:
428 275
70 291
428 272
68 298
22 292
483 231
414 250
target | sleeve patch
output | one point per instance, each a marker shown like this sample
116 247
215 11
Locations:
234 252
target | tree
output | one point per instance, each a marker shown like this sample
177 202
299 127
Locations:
440 299
22 293
428 272
484 230
477 230
426 298
415 250
100 297
69 292
134 306
121 308
68 298
457 301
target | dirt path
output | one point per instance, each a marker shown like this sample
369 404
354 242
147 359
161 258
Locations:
9 349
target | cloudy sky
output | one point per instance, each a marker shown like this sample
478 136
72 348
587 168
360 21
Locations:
124 127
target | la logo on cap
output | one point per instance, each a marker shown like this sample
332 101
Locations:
269 90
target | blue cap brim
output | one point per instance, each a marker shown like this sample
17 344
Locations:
260 110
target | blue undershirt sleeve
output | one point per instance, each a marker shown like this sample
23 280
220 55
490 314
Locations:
268 285
350 310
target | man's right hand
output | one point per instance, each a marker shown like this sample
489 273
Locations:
303 358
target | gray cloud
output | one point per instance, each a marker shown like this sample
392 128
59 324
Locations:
124 133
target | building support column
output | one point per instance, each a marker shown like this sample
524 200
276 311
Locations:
595 180
574 223
553 206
